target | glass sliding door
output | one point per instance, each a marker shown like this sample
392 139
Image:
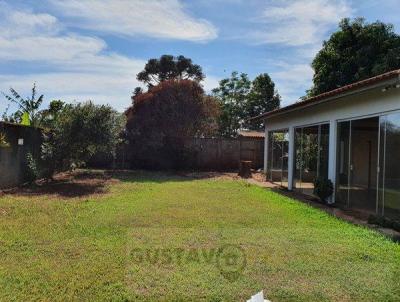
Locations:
310 152
364 164
343 163
277 168
311 156
298 157
357 163
323 151
389 180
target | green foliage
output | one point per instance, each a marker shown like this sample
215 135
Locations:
3 141
384 222
262 98
358 50
168 67
28 106
33 170
241 99
323 188
232 95
50 115
80 131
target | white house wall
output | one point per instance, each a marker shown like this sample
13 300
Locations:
363 104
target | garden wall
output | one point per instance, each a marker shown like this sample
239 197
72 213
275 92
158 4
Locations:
224 153
210 154
13 163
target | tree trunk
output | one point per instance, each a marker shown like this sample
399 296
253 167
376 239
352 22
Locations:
245 168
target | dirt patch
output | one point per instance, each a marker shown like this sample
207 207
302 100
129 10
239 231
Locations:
256 176
80 183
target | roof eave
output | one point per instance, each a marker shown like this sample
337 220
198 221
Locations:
359 90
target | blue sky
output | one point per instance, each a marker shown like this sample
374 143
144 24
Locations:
78 50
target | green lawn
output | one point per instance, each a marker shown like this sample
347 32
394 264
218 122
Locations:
158 237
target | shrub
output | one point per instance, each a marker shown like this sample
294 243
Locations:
323 188
78 133
3 141
33 171
384 222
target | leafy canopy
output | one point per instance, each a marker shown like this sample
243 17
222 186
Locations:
358 50
168 67
26 106
79 131
171 110
241 99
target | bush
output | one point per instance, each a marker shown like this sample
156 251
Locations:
33 171
78 133
384 222
323 188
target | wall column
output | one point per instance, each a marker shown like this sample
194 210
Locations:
265 148
291 158
332 156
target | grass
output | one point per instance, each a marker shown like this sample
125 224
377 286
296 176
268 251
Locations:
155 236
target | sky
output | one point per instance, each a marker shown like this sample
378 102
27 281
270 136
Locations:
79 50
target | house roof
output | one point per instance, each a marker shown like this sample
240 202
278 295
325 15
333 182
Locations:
334 94
252 134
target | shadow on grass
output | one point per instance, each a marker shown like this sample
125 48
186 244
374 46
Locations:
67 185
83 183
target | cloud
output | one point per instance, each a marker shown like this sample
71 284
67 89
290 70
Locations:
156 18
299 22
76 67
290 79
67 66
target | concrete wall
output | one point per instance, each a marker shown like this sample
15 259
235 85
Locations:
13 164
366 103
224 153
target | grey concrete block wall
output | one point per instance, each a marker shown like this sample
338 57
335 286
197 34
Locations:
13 159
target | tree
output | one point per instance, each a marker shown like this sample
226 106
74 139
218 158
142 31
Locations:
262 98
50 116
241 99
168 67
358 50
232 95
166 114
80 131
28 106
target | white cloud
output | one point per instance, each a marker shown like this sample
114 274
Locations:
290 79
114 89
77 67
299 22
155 18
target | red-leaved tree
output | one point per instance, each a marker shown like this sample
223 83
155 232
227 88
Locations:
160 119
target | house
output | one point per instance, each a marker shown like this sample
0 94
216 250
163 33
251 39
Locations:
350 135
